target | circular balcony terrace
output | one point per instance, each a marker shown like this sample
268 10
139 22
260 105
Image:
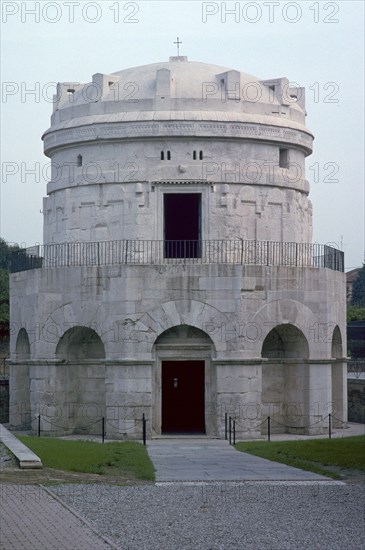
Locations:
162 252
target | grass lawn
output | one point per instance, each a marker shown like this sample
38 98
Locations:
118 458
315 455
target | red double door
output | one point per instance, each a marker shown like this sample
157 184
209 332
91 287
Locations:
183 397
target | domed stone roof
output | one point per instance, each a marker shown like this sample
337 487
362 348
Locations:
178 90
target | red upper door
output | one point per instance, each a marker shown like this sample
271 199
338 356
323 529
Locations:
183 397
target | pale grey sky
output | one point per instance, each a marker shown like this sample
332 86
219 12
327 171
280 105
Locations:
318 45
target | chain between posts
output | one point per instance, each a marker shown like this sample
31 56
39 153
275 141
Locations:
230 427
38 418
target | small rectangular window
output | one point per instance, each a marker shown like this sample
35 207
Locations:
200 155
284 158
194 155
162 155
168 155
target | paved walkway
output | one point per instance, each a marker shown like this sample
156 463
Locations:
216 460
32 519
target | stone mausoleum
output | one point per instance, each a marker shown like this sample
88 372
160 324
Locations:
178 278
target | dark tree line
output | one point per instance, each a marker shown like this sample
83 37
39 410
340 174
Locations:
358 289
6 252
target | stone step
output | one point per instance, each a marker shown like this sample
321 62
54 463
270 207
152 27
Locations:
25 457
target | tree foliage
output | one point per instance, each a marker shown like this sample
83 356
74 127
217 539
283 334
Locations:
358 289
6 252
355 313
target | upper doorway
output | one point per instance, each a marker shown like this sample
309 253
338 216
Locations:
182 225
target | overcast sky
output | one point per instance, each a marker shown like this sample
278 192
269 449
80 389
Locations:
318 45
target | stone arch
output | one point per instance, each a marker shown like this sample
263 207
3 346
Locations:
22 346
80 343
184 351
284 312
284 376
193 313
338 380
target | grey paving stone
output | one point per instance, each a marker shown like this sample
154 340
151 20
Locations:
216 460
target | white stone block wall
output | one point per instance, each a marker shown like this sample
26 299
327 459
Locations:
129 307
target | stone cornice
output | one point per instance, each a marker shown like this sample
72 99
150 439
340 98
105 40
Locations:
96 132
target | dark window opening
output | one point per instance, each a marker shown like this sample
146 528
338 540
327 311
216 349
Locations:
284 158
182 225
200 155
70 91
194 155
79 160
168 155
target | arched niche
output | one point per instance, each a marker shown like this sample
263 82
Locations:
339 381
336 345
286 341
79 343
81 380
22 346
284 384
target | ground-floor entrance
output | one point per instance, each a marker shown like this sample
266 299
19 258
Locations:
183 409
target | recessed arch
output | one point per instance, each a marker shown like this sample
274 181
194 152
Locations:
183 332
286 341
22 346
80 343
184 381
336 344
338 380
284 388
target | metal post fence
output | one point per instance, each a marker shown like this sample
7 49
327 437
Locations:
103 429
268 428
330 425
230 430
144 428
39 426
234 432
225 425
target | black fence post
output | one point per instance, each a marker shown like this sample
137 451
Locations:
234 432
268 428
144 428
230 430
330 425
39 426
103 429
225 425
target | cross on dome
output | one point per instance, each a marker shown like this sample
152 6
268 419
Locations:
178 46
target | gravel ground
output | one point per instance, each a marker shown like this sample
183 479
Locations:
7 460
225 516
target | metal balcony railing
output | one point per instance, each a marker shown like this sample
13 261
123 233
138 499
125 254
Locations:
144 252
